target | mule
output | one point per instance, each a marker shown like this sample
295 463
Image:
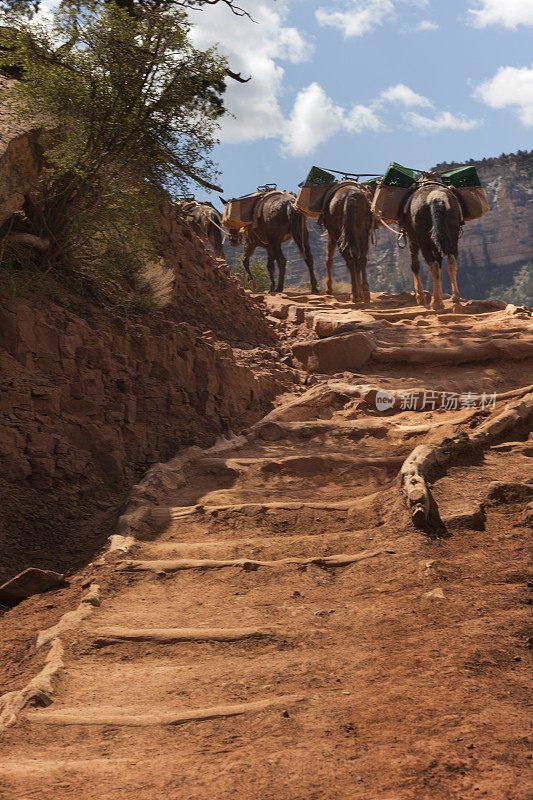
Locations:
432 221
206 220
277 221
347 217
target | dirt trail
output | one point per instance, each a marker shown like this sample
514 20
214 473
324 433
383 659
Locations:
278 628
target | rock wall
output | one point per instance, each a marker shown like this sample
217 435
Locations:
89 401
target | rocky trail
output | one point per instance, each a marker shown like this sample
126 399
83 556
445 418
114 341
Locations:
331 603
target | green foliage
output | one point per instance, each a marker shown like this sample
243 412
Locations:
383 278
134 108
258 270
521 291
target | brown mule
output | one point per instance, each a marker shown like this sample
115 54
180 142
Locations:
432 221
206 220
347 217
277 221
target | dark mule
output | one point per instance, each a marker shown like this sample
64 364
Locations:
432 221
206 220
349 222
277 221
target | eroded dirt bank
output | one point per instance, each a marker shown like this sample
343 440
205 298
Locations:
89 401
270 622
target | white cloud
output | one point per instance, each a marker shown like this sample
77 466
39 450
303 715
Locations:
400 93
509 13
444 120
256 49
358 17
315 118
426 25
510 87
360 118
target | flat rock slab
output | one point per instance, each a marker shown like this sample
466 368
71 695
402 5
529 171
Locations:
334 322
346 353
25 584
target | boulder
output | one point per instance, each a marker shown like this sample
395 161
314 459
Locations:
21 158
500 492
345 353
30 581
333 323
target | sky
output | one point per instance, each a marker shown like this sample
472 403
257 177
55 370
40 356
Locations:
354 84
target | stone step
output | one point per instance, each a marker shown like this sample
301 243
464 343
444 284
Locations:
299 465
133 717
164 515
223 544
175 565
115 635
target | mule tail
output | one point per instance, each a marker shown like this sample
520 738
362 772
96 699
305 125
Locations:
297 223
301 237
440 230
348 244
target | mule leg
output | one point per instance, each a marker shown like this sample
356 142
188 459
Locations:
437 302
308 257
248 251
357 289
415 266
364 280
332 244
452 271
271 267
282 263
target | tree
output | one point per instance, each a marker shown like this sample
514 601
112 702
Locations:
135 107
257 268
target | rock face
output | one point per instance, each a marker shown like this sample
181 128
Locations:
21 150
88 401
492 249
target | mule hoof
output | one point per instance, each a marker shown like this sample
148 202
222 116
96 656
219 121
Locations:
366 297
421 300
437 306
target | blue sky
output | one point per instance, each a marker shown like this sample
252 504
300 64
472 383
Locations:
355 84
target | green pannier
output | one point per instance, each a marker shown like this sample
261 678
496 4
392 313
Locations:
466 183
398 176
318 177
391 191
461 177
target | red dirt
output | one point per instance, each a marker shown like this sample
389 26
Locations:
402 676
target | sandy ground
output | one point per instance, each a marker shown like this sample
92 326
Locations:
229 658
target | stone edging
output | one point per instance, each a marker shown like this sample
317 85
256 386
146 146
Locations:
419 464
138 514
